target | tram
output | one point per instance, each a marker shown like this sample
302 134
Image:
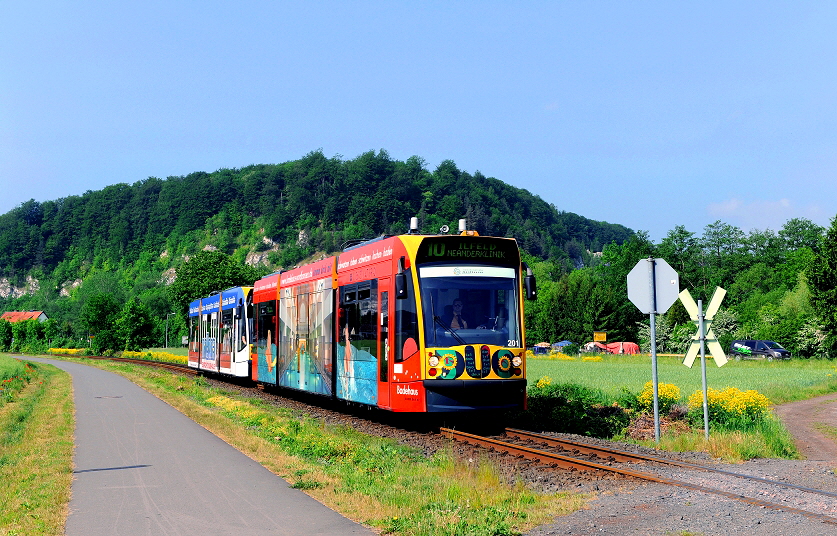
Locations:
407 323
220 328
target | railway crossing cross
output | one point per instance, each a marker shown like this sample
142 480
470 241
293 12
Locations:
704 332
704 337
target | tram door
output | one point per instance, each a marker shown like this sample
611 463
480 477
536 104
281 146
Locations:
226 330
209 344
357 365
300 357
384 343
195 340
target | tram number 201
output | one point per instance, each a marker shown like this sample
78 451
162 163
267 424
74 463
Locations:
512 342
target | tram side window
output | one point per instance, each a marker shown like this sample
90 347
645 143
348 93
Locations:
348 313
194 334
368 308
241 331
226 331
206 329
359 314
251 326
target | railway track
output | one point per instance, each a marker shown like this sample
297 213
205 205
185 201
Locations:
576 456
159 364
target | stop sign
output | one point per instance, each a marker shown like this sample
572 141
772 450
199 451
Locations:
666 285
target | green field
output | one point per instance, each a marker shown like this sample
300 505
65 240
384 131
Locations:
780 381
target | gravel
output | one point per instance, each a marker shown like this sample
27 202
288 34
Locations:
642 508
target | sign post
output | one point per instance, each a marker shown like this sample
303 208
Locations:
704 337
653 286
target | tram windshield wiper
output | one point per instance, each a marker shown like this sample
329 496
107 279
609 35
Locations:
451 330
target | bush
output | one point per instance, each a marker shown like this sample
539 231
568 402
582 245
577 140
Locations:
628 400
731 408
571 349
571 408
5 335
667 396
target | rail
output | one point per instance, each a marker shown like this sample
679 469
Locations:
611 455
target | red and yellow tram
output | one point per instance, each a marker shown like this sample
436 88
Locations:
408 323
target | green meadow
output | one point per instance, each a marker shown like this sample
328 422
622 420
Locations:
780 381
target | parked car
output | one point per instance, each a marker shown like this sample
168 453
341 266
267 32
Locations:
752 349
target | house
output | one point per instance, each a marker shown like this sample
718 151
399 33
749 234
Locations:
19 316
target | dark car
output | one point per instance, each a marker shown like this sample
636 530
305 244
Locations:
752 349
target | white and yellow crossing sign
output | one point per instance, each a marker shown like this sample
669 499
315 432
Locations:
711 340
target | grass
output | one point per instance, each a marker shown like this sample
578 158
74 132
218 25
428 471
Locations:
13 377
390 487
780 381
10 367
36 447
827 429
765 439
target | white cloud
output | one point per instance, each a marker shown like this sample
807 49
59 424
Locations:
762 214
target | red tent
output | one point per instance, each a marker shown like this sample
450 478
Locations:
614 347
622 348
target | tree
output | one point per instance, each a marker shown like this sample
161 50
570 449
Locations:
208 272
725 249
5 335
617 261
765 246
134 325
800 232
681 249
28 335
758 279
51 330
98 316
822 279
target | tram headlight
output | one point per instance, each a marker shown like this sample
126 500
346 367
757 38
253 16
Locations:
433 361
517 361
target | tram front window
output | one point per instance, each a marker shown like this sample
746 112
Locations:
469 305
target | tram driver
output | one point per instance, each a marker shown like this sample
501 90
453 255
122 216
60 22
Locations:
456 320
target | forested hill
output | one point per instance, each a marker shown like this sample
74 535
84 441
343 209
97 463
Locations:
288 211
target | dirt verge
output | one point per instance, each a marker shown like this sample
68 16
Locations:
809 421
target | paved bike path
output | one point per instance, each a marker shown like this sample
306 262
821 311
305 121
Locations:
142 467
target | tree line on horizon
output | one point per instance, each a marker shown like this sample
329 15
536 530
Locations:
781 286
126 241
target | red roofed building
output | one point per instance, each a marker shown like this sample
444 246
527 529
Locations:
19 316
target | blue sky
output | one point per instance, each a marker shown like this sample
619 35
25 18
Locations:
647 114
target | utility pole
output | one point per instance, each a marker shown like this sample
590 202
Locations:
167 328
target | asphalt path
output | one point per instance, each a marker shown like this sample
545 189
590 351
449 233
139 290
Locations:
142 467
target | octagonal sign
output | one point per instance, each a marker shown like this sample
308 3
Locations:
666 285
